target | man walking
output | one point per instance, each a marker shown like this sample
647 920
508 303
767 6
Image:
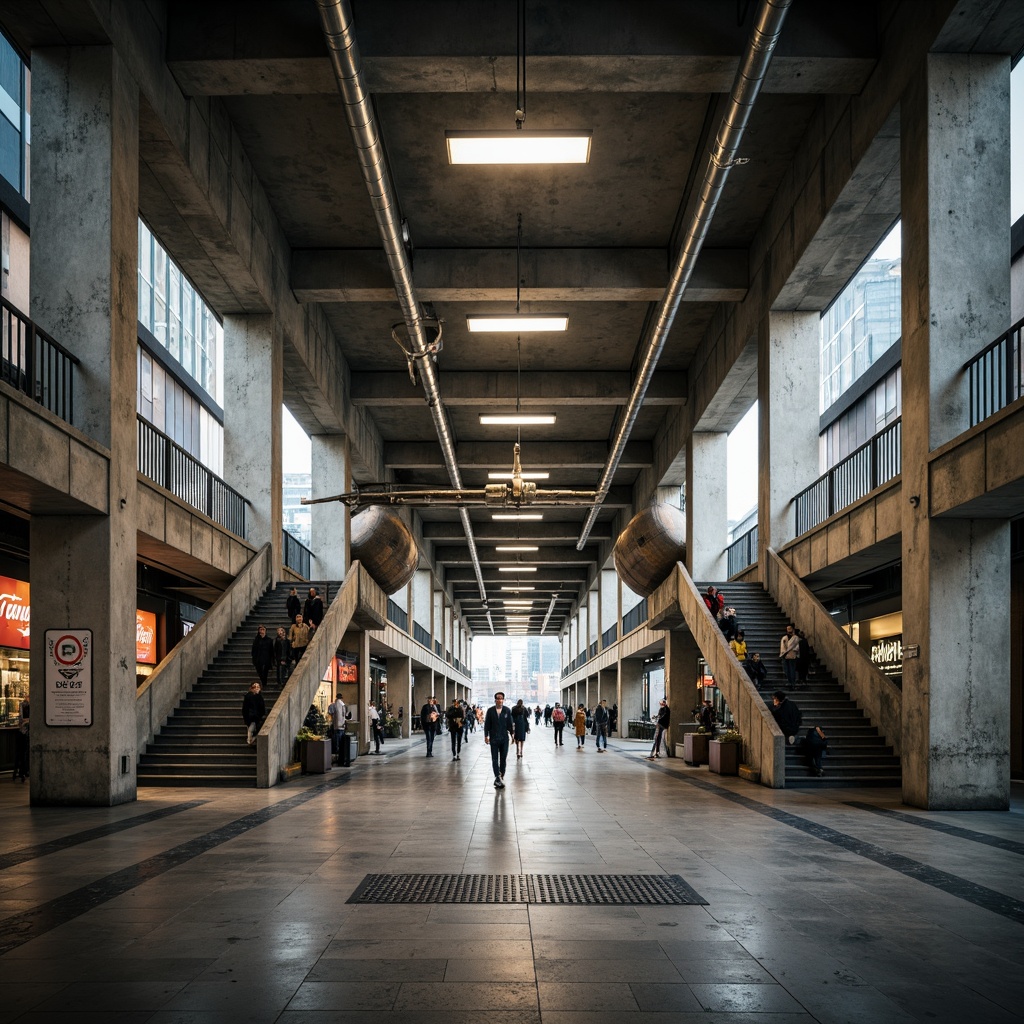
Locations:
497 730
661 729
456 718
558 721
430 720
601 721
789 651
254 710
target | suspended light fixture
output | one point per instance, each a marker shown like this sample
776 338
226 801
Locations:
505 475
518 146
517 547
518 323
518 419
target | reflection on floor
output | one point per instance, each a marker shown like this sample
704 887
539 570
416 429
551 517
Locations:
215 906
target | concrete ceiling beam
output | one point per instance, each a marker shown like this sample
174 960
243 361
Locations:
495 454
489 275
479 388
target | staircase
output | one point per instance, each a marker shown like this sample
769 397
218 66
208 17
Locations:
856 755
203 742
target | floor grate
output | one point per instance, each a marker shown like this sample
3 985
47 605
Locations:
575 890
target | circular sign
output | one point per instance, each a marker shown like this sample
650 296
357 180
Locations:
68 649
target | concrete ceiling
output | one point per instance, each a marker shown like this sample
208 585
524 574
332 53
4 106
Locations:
597 240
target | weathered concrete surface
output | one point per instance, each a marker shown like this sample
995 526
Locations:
955 149
178 672
84 180
677 606
707 492
789 346
253 354
331 523
630 673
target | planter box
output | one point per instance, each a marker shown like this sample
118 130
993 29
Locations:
695 747
316 756
724 758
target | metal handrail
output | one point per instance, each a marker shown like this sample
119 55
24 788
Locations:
296 555
168 465
994 375
35 363
874 463
742 551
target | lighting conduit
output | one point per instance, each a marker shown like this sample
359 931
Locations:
747 84
339 32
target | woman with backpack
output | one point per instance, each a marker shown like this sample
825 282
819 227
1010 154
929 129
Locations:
558 721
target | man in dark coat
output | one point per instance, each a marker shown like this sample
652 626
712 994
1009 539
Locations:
787 715
313 609
254 710
497 730
294 605
430 722
756 669
262 654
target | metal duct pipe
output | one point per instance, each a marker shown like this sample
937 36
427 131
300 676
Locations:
747 84
336 18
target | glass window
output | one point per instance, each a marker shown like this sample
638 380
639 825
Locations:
160 297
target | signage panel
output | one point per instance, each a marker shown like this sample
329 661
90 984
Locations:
67 677
145 637
15 611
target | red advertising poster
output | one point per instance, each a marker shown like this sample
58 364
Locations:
15 611
348 672
145 637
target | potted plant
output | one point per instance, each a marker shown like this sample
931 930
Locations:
314 752
392 728
724 753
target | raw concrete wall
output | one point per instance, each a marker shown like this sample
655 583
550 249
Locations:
875 693
177 673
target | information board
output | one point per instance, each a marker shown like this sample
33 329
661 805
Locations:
68 677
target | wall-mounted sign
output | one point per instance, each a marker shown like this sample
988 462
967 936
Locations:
15 612
887 654
145 637
67 677
348 671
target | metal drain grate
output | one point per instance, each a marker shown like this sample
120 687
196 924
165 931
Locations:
576 890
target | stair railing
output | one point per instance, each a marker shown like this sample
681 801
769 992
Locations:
163 691
874 692
678 601
359 603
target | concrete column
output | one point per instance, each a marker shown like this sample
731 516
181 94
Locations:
331 531
631 696
85 196
681 654
609 600
707 527
955 119
400 689
788 372
422 688
253 393
359 641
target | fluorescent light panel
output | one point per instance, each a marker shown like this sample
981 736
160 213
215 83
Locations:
502 475
517 516
517 568
517 588
518 146
516 323
517 419
517 547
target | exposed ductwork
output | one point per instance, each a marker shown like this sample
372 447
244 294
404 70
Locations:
749 77
336 18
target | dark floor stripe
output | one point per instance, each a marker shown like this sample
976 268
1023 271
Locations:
24 927
997 842
9 860
961 888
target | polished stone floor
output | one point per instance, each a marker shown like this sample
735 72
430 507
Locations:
207 906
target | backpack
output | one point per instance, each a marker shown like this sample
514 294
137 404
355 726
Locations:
558 715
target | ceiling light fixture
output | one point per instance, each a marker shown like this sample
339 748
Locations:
516 420
519 323
517 588
516 146
519 516
503 475
517 568
517 547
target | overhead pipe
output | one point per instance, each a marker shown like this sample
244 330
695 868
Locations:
749 78
339 32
